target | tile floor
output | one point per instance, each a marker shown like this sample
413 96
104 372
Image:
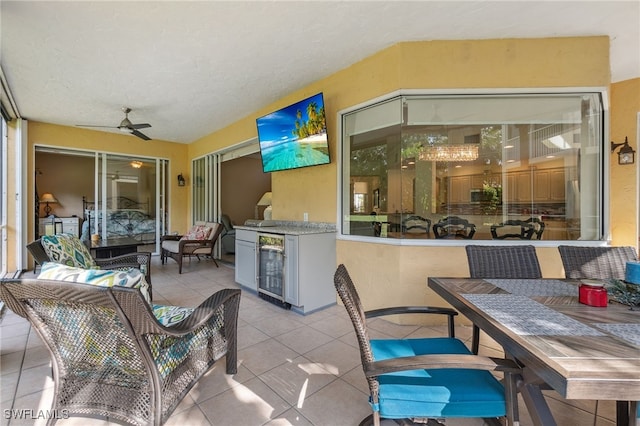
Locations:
293 369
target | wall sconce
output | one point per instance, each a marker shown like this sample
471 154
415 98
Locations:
181 180
47 198
626 155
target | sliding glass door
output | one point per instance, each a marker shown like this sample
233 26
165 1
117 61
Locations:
115 196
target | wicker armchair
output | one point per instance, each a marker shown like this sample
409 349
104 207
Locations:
512 261
175 247
139 260
428 377
596 262
112 358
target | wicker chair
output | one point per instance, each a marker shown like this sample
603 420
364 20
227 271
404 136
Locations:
175 247
596 262
513 261
112 358
139 260
428 377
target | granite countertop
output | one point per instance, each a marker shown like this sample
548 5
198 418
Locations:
287 227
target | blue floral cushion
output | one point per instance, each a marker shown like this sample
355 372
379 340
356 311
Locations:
101 277
67 249
170 315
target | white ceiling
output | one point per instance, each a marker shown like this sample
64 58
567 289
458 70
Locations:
191 68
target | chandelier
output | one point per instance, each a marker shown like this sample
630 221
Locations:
453 153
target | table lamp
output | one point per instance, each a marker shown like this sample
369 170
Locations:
265 200
47 198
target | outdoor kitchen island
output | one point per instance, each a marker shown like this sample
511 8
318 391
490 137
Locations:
287 263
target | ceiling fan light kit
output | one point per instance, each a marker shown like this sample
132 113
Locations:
126 126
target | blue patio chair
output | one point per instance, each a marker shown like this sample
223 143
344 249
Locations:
427 378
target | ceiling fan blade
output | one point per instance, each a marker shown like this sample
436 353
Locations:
91 125
140 126
134 132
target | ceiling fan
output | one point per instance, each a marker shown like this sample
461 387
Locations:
126 126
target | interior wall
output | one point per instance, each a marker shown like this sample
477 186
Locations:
58 174
242 184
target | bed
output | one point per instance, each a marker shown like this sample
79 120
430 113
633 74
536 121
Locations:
125 218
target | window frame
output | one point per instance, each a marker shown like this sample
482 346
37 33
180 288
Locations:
603 181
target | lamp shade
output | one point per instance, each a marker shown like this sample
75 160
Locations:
48 198
265 200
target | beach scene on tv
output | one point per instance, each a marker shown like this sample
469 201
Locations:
295 136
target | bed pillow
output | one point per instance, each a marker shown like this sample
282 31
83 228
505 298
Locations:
132 278
198 232
67 249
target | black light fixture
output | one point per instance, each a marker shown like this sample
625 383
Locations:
626 155
181 180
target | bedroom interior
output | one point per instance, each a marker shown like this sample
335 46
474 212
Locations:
130 192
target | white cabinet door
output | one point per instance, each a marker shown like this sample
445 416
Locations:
246 264
291 283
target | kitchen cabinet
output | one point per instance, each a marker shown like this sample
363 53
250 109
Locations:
309 265
459 189
549 185
518 187
246 259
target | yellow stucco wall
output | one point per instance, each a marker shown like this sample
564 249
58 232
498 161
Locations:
389 274
625 106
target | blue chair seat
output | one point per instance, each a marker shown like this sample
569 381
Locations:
436 393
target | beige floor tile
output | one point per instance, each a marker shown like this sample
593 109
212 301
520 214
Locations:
248 335
333 326
251 403
192 416
217 381
336 357
297 380
304 339
11 362
35 379
290 417
338 403
37 356
277 325
264 356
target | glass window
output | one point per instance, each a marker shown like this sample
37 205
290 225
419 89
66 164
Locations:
525 166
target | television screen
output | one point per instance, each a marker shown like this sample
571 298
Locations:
295 136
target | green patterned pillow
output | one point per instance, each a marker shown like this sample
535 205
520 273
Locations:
132 278
67 249
170 315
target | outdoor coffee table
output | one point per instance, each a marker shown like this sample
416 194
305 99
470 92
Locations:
112 247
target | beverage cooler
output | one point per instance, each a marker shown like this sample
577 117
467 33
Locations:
271 267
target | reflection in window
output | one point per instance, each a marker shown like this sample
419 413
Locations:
508 160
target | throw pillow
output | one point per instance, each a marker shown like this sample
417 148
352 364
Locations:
132 278
67 249
171 315
198 232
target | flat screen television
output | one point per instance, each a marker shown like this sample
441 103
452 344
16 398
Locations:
295 136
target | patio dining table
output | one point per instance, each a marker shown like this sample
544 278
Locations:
580 351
